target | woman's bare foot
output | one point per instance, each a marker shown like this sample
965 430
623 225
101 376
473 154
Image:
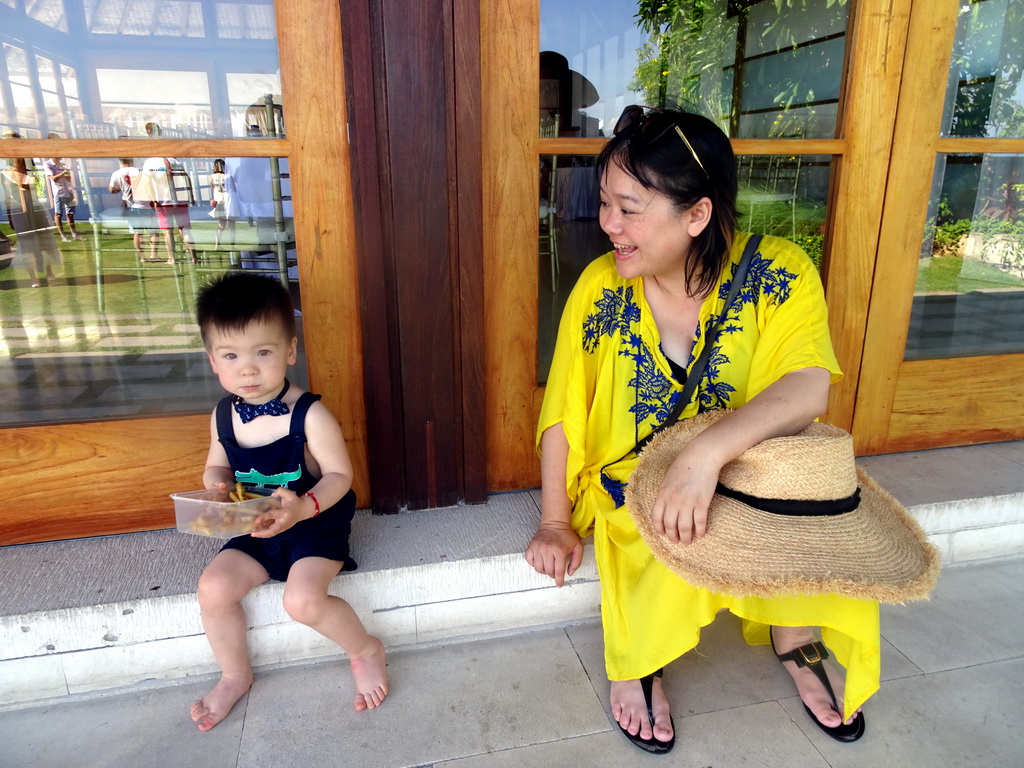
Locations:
371 675
215 706
630 710
812 692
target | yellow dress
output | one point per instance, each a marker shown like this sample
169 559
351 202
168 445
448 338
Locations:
610 384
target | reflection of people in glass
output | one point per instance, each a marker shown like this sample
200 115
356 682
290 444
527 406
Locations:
632 328
563 93
222 187
261 186
137 213
165 185
63 194
36 249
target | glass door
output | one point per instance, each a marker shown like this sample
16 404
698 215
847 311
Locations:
944 351
162 137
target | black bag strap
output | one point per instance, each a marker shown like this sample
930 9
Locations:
697 372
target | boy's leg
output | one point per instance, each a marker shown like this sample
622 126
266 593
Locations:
306 600
229 577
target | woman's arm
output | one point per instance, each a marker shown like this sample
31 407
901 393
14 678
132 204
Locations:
784 408
555 548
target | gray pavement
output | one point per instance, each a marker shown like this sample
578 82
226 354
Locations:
951 695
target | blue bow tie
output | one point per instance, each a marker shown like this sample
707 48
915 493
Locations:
273 407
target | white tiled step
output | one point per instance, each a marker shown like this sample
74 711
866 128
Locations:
95 614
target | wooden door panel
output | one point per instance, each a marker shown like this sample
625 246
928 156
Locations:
957 402
76 480
511 73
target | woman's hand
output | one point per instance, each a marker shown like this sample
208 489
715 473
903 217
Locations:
555 550
680 510
294 509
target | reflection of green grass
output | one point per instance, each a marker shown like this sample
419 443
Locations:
952 273
104 291
777 217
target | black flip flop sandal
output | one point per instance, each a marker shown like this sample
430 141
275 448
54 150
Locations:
652 745
813 656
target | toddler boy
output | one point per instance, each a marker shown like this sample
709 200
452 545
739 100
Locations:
269 433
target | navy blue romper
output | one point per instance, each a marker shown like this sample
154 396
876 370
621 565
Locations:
283 463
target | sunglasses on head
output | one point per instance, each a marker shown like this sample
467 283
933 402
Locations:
635 117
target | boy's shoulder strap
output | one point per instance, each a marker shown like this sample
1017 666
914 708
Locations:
225 429
299 411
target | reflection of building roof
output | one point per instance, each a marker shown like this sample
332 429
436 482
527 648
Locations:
233 21
554 66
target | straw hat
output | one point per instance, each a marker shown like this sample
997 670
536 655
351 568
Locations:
833 530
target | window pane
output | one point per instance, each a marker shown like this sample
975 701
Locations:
985 94
783 196
969 297
198 68
760 69
109 332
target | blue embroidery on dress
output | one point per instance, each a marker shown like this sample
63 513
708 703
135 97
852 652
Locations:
617 312
775 284
615 489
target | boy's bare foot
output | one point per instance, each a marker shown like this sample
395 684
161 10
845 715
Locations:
371 676
630 710
215 706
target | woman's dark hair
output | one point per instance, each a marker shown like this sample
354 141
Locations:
651 150
218 165
236 299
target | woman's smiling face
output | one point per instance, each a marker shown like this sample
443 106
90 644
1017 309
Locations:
650 236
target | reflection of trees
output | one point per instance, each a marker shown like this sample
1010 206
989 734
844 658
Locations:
696 49
987 67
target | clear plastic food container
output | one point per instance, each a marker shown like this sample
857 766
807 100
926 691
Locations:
213 513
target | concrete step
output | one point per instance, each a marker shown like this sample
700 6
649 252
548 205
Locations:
96 614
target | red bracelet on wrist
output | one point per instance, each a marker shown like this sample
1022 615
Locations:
316 503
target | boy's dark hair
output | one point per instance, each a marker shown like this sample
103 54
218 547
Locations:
236 299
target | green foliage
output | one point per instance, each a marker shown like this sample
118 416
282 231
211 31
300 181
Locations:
812 245
949 236
987 66
691 48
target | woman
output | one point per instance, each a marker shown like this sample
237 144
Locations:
634 324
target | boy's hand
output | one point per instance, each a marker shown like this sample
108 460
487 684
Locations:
219 491
293 509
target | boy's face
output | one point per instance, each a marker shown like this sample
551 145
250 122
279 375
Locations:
253 362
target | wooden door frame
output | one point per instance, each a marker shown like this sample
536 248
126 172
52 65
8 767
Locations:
108 477
906 405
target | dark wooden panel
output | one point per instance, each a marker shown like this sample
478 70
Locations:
465 146
377 279
418 97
